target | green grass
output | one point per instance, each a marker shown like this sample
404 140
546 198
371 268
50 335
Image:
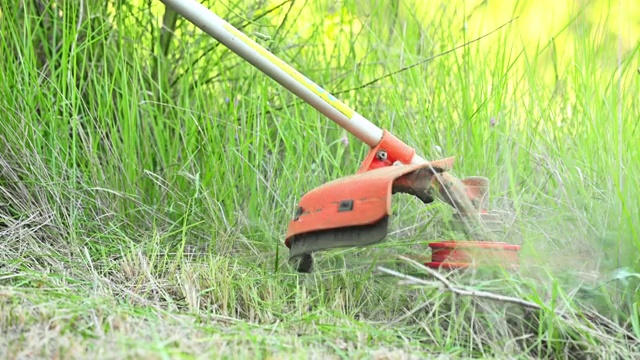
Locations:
146 181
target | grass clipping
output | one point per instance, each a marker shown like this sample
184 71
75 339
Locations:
584 332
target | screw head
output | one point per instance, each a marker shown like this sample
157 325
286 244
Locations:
381 155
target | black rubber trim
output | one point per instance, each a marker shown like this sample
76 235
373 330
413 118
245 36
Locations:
304 245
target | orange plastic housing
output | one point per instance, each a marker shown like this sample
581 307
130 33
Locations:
462 254
396 151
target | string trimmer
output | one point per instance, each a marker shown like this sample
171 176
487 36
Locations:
354 211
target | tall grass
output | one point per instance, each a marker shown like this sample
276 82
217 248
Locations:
147 176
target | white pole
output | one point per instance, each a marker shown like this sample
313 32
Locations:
278 70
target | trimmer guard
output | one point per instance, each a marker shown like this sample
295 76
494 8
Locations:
354 210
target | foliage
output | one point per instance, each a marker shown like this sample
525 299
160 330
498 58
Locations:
147 175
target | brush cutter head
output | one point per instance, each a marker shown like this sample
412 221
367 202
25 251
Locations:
354 211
